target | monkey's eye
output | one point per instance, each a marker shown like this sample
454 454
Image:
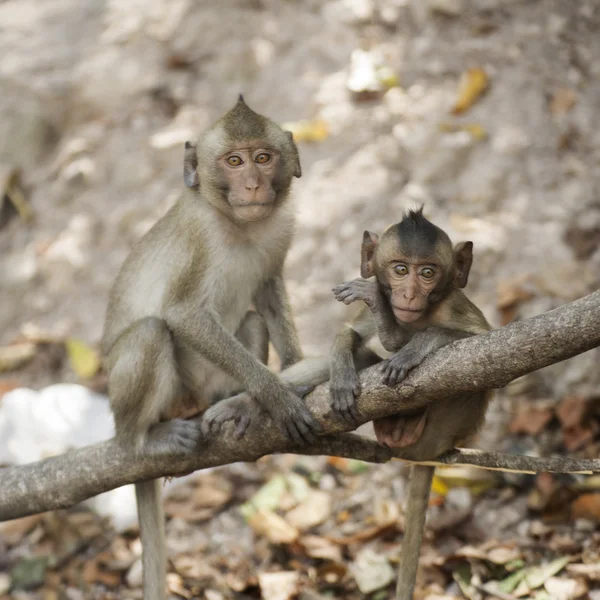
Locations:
234 161
262 158
400 269
427 273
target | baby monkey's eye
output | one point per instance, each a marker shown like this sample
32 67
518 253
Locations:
234 161
400 269
427 273
263 158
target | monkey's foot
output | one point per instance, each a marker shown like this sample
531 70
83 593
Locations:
238 409
357 289
174 437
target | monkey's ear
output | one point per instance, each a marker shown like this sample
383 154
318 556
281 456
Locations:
190 166
296 156
463 258
367 252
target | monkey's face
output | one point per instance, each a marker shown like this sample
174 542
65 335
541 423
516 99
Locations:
249 175
409 281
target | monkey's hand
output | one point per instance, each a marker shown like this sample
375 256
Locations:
357 289
396 368
238 409
345 388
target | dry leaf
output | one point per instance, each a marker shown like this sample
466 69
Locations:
536 576
85 361
563 100
587 506
531 421
279 586
583 242
475 130
16 355
13 531
332 572
308 131
320 547
565 589
472 85
175 585
12 196
372 571
577 429
312 511
275 528
590 571
198 499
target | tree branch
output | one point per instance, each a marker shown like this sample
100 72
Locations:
478 363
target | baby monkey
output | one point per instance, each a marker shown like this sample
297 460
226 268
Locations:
415 305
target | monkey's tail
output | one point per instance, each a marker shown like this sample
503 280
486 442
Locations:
309 371
416 511
152 532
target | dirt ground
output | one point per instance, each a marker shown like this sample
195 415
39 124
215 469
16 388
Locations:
97 98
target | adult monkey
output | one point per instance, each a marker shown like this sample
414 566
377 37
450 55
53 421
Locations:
178 318
416 306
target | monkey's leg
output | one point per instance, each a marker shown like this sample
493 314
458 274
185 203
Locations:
416 511
143 383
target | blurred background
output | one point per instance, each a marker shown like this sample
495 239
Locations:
485 111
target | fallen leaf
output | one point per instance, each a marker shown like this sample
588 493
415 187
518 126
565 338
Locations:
16 355
5 583
350 466
312 511
371 571
29 573
14 531
268 497
471 86
536 576
587 506
565 589
271 525
308 131
577 428
175 585
332 573
279 586
562 101
572 410
12 196
319 547
7 385
199 499
85 361
590 571
510 293
531 421
475 130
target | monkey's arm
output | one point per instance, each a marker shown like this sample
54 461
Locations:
392 335
345 384
423 343
201 331
273 304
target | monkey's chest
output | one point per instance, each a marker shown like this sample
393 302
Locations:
236 282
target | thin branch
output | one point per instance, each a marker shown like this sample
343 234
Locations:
478 363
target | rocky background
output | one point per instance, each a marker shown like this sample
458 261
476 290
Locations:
482 110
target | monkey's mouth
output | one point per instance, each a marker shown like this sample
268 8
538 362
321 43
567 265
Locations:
406 315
